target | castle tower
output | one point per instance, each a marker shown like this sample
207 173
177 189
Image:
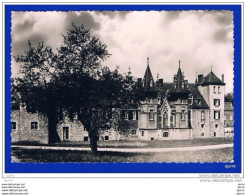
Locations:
178 98
213 91
149 108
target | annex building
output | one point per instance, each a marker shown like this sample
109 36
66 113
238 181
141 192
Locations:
177 110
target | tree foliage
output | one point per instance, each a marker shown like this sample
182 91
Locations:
229 97
93 92
37 84
73 82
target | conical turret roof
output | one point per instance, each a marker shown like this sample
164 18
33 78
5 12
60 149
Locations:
179 86
148 81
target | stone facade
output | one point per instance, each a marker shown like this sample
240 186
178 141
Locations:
28 127
177 110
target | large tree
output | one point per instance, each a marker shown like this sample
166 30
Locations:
93 92
73 82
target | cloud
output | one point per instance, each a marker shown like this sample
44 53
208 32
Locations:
85 18
225 17
221 35
172 15
114 14
198 38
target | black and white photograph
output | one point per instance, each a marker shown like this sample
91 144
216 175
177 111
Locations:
122 86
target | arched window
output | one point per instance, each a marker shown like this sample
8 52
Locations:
165 134
165 120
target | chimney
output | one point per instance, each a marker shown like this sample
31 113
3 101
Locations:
139 83
222 76
200 78
159 83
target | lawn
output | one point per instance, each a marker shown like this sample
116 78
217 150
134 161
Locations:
37 155
144 144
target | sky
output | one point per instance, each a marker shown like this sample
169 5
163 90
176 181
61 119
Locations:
201 40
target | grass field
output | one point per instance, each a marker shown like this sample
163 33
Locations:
144 144
36 155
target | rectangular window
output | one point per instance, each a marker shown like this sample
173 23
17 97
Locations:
130 115
142 133
106 138
65 133
214 134
189 101
216 115
219 89
151 114
183 115
133 132
134 115
216 125
202 115
86 139
217 102
202 125
13 126
34 125
126 115
202 134
214 89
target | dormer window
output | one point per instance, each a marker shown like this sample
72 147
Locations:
151 83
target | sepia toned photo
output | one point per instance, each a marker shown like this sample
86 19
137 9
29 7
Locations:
122 86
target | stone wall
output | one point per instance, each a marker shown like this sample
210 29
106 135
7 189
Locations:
180 133
143 118
149 134
217 125
24 133
200 127
76 130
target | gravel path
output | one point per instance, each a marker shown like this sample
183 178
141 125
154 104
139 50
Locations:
140 150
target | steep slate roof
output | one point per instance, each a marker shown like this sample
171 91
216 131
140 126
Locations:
197 95
212 79
149 84
179 89
228 106
165 87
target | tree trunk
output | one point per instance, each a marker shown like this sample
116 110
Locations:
52 128
93 141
